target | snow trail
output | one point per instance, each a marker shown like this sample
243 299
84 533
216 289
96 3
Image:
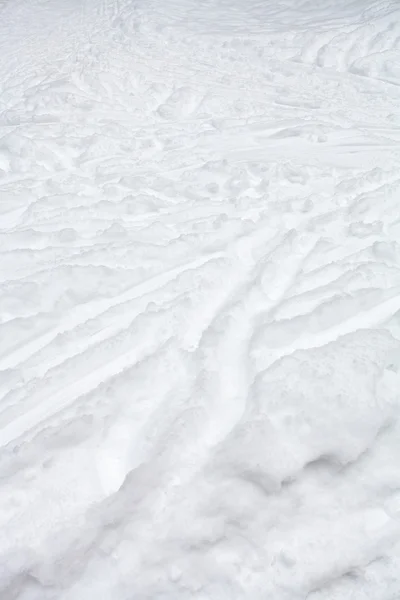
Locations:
199 300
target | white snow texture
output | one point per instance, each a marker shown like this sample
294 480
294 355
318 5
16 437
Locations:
199 299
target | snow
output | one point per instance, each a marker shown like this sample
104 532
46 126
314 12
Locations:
199 300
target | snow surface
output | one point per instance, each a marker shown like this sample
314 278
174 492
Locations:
199 299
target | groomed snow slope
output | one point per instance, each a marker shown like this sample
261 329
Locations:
200 299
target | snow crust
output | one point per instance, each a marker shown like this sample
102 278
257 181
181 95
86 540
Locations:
199 300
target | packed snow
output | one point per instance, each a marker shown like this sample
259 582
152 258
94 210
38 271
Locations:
199 299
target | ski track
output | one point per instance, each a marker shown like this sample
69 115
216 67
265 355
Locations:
199 300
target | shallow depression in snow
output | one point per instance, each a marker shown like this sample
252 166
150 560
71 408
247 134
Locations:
199 300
